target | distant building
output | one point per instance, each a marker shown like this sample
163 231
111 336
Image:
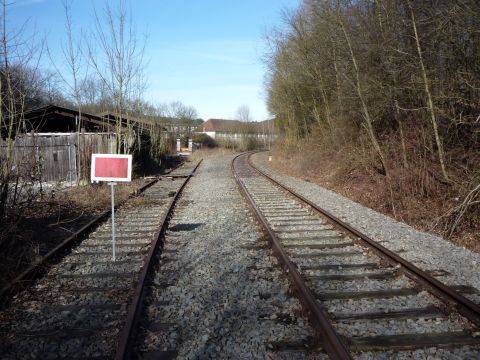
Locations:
219 127
234 129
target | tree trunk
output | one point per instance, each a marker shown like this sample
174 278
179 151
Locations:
431 109
402 137
368 120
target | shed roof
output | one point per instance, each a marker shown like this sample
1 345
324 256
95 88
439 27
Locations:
53 118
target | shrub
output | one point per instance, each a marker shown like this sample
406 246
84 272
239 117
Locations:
204 140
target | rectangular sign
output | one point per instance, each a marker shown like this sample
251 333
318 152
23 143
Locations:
111 167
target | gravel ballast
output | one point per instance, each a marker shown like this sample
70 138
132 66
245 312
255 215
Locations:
426 251
77 309
413 328
220 293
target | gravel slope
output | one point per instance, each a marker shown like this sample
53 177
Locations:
427 251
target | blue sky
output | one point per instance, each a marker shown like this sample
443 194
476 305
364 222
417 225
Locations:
205 53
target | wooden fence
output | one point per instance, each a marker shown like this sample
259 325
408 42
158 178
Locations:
56 156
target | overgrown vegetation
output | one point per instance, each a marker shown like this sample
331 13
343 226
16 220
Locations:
100 71
391 90
245 143
47 222
204 141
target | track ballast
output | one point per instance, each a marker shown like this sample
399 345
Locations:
375 306
83 306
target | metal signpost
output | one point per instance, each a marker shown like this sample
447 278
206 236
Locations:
112 168
112 184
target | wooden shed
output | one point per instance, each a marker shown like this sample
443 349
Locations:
55 145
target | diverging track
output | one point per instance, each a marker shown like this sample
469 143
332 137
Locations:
365 302
86 306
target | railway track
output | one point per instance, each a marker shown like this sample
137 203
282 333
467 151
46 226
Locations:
86 305
216 292
364 300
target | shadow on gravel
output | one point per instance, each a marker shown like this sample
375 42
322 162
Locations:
185 227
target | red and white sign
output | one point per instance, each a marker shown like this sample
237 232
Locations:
110 167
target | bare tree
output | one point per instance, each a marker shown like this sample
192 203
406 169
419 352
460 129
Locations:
74 79
368 121
18 82
93 93
428 94
117 55
243 113
180 111
245 128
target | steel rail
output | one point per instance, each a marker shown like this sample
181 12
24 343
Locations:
331 341
35 269
463 305
127 337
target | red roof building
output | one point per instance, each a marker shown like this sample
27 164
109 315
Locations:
227 128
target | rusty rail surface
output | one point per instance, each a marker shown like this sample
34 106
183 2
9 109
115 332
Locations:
127 337
331 341
36 269
465 306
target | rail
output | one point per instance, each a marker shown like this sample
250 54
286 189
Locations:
332 342
38 267
465 306
127 337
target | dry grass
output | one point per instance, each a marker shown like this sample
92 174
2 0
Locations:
47 222
139 201
413 195
97 197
